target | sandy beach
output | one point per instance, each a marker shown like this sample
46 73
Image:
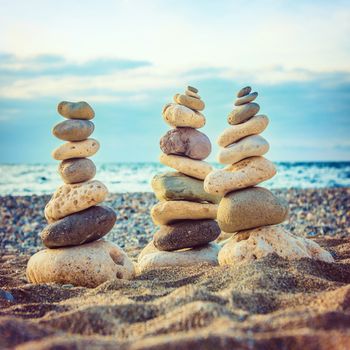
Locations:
268 304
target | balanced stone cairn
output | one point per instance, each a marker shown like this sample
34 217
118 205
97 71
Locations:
186 213
252 213
76 253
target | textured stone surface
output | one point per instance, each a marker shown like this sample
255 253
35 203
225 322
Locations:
246 99
75 110
190 102
186 234
246 173
151 258
250 245
173 186
76 170
240 114
250 146
253 126
73 130
181 116
244 91
186 142
79 149
88 265
249 208
85 226
198 169
69 199
169 211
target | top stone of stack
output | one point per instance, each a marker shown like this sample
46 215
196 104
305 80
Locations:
75 110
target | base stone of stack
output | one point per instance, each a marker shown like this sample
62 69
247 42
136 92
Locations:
87 265
151 258
250 245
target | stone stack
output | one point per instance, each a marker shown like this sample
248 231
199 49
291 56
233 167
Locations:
252 213
76 253
186 213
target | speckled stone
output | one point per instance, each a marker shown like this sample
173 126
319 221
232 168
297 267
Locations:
79 149
75 110
181 116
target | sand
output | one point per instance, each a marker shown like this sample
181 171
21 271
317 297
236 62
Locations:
267 304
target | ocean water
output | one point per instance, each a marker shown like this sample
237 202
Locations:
25 179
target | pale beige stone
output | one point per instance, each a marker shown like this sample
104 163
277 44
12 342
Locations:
151 258
247 246
244 91
177 115
75 110
198 169
253 126
192 94
250 146
166 212
246 99
190 102
79 149
87 265
246 173
69 199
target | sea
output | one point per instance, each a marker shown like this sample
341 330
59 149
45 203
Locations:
28 179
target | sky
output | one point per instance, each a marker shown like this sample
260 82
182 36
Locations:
128 58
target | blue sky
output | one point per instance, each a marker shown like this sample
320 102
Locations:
128 58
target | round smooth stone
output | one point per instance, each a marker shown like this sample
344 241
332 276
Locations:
190 102
186 142
86 226
75 110
88 265
69 199
246 99
244 91
181 116
198 169
79 149
249 208
172 186
253 126
242 113
152 259
77 170
260 242
246 173
192 94
186 234
192 89
167 212
73 130
250 146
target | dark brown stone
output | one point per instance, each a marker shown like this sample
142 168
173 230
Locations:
85 226
187 142
186 234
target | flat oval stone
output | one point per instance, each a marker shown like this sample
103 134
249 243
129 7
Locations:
190 102
76 170
181 116
253 126
246 173
250 146
192 89
242 113
88 265
198 169
186 234
246 99
75 110
249 208
152 259
192 94
167 212
79 149
73 130
173 186
244 91
85 226
69 199
186 142
260 242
